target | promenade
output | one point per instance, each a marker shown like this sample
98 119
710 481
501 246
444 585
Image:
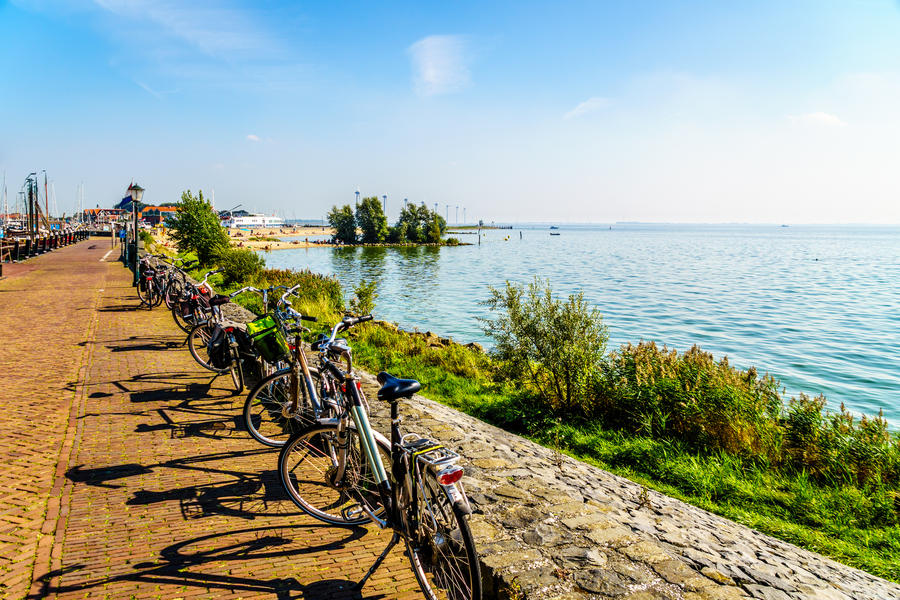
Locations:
125 473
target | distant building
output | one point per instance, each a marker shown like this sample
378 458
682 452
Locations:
156 215
243 219
101 216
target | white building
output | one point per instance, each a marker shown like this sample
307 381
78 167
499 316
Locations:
243 220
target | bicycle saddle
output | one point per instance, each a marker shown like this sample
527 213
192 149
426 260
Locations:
393 388
219 300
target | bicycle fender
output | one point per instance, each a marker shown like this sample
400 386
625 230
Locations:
457 498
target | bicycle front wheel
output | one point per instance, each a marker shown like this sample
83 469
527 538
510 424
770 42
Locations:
237 373
267 410
198 345
309 465
442 551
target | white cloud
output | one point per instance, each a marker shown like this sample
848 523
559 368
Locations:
254 138
822 119
589 105
439 64
213 28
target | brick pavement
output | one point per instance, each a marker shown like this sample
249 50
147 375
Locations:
128 474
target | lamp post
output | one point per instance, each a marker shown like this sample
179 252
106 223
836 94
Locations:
137 192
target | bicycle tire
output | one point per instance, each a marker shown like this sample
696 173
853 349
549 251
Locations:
265 409
234 369
305 464
197 345
156 292
172 292
443 557
185 323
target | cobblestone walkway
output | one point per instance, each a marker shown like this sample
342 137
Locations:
126 474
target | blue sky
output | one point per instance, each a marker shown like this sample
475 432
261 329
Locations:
564 111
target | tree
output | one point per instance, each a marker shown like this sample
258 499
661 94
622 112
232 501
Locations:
371 220
344 224
196 228
433 235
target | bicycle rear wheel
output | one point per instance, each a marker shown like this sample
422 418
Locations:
198 340
308 464
442 551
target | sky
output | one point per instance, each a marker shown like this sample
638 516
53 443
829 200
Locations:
765 111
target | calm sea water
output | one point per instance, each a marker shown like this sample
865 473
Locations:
818 307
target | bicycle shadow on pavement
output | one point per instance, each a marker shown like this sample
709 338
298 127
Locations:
180 564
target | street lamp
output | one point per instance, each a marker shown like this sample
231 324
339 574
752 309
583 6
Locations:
137 192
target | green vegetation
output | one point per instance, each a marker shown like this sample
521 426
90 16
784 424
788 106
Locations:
240 264
416 225
364 297
196 228
372 222
344 224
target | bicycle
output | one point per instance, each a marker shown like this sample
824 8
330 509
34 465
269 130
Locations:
148 290
291 398
192 306
335 471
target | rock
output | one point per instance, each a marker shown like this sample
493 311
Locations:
509 491
519 517
575 557
601 581
646 552
544 535
612 536
766 593
717 576
475 346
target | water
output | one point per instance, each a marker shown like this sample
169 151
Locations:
817 307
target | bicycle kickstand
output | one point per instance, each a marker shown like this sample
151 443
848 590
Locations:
378 561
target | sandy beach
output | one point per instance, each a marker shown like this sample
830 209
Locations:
298 237
288 237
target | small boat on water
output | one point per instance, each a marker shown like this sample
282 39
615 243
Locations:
554 233
554 227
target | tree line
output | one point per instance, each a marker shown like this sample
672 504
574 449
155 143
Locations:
417 224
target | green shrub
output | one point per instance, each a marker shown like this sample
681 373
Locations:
364 296
451 241
240 264
146 237
551 348
708 405
314 288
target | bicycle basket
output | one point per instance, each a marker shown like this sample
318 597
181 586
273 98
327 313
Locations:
268 339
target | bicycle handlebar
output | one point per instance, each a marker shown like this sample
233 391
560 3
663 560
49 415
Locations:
248 288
